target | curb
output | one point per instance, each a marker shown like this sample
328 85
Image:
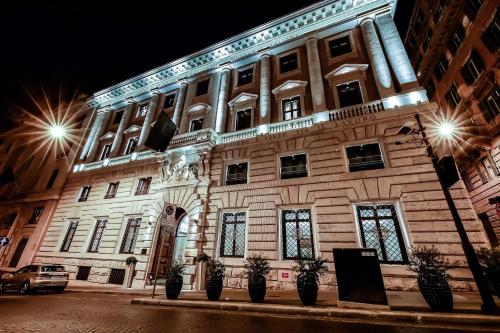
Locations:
363 314
110 292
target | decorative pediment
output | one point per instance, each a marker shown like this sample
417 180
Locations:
109 135
199 107
345 69
288 85
243 98
132 129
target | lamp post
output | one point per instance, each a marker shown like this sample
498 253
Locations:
488 305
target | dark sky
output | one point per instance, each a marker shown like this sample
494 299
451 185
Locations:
89 45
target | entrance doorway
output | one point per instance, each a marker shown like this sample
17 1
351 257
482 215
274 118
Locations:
173 246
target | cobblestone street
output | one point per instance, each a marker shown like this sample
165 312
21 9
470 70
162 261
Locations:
85 312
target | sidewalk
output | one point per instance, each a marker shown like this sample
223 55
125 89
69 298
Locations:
75 286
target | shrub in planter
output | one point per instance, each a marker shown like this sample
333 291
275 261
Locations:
214 279
430 266
173 279
202 257
131 260
308 275
257 268
490 262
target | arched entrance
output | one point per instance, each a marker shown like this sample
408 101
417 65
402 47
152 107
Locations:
173 246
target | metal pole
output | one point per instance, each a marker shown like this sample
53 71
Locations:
488 305
162 225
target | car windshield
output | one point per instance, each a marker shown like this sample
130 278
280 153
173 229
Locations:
52 269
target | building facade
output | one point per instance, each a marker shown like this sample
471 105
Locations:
32 176
288 147
454 52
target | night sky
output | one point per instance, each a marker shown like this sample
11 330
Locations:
84 46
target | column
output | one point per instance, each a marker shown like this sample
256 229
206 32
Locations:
265 89
317 88
95 125
99 125
121 128
378 63
396 53
148 119
220 120
179 104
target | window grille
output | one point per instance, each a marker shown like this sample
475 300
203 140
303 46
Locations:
83 273
35 216
95 242
69 236
233 235
117 276
130 236
297 234
112 189
105 152
143 186
84 193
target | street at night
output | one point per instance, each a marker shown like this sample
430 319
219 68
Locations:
85 312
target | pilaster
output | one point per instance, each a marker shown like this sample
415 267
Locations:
317 87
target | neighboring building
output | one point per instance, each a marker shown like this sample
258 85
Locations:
31 179
454 52
287 147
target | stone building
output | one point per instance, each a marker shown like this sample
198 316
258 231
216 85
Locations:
32 176
454 52
287 147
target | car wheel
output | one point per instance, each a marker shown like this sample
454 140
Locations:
2 287
25 289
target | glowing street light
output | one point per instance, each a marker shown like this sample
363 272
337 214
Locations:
446 130
57 131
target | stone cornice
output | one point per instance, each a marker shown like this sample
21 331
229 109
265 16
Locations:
254 41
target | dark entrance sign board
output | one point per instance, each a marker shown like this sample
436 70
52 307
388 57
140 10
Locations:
359 278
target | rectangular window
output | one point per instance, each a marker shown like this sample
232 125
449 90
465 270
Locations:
452 96
142 110
95 241
419 21
117 276
431 89
441 68
243 119
465 177
456 38
11 218
130 236
233 235
438 12
297 233
169 101
491 36
84 193
288 63
105 152
196 125
473 68
339 46
202 87
112 189
365 157
293 166
490 105
471 7
131 145
83 273
143 186
380 230
35 216
291 108
52 179
349 94
118 117
237 174
488 168
18 253
245 77
69 236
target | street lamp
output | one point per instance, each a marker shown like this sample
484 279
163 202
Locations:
57 131
447 130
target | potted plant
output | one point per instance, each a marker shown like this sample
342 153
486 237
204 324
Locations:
131 261
490 262
214 279
430 266
308 275
173 279
257 268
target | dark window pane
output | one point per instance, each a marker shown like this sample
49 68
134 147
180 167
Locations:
118 117
365 157
69 236
339 46
111 192
202 87
52 179
130 236
105 152
294 166
438 12
441 68
491 36
131 145
431 89
419 21
84 193
288 63
233 235
471 7
243 119
196 124
473 68
142 110
83 273
143 186
291 108
35 216
237 174
490 105
297 234
18 252
169 101
95 242
456 38
349 94
427 39
452 96
245 77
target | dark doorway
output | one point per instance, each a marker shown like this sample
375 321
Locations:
18 253
488 228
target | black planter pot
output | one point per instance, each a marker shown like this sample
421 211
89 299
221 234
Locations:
436 291
308 290
257 289
213 287
173 287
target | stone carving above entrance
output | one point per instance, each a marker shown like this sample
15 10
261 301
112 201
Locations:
176 169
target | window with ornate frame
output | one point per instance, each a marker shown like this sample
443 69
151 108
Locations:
105 151
196 124
35 215
143 186
366 156
297 234
472 68
84 193
95 241
293 166
111 191
232 240
130 235
142 110
237 173
68 238
131 145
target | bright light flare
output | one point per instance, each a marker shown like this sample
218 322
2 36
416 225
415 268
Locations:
57 131
446 130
